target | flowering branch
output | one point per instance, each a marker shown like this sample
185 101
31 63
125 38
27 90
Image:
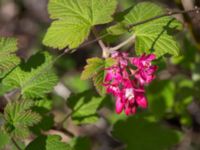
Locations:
105 51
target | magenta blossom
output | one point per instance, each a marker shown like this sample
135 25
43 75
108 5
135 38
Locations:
127 84
145 72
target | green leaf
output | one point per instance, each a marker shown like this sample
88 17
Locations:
12 109
4 139
95 69
80 143
43 108
44 105
45 124
8 58
84 107
154 36
161 97
140 134
98 79
34 78
53 142
18 117
94 65
50 142
76 84
74 20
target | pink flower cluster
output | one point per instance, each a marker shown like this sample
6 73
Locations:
126 80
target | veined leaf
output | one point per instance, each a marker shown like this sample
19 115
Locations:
84 107
44 104
95 69
34 78
18 117
8 58
94 65
74 19
154 36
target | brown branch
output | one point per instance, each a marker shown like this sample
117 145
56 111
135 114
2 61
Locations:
65 131
16 144
170 13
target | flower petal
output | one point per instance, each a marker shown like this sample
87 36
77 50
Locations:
142 102
119 106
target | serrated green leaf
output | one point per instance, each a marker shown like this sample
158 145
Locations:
44 104
98 79
28 119
8 58
140 134
95 69
98 82
50 142
18 117
74 20
84 107
154 36
94 65
34 78
16 108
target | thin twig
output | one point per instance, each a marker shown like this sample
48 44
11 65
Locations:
170 13
66 117
15 143
101 44
130 39
64 130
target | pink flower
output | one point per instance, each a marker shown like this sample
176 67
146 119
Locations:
143 61
113 73
145 72
126 84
